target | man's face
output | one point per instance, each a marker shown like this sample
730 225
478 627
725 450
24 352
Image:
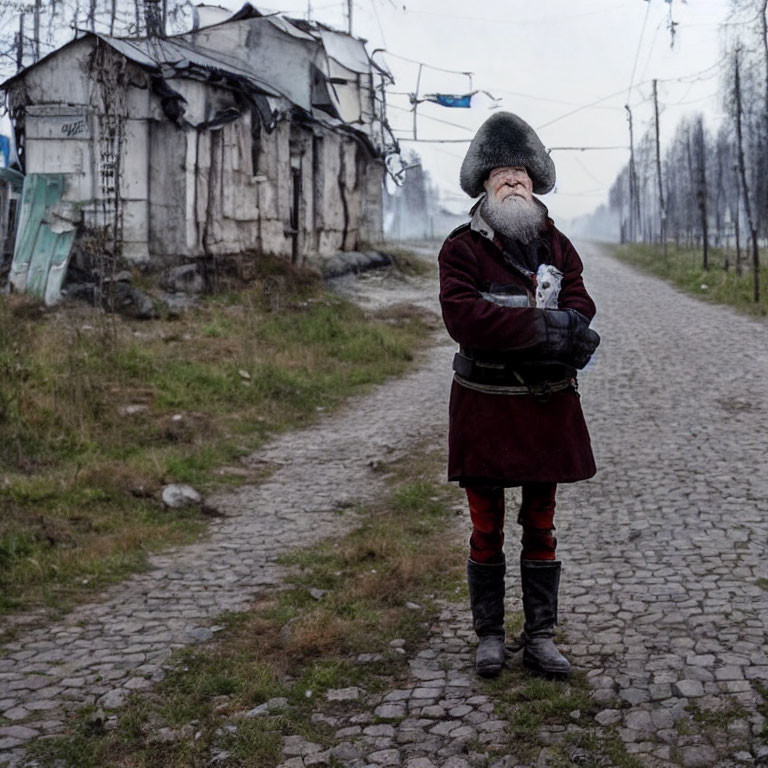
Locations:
508 181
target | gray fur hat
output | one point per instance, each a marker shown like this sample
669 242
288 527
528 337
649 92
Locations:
506 139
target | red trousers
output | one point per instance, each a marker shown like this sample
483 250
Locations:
537 515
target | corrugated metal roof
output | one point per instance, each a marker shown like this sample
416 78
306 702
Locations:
158 52
290 29
268 52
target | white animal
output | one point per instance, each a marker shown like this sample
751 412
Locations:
548 280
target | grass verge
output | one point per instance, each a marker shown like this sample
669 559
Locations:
682 267
98 413
290 648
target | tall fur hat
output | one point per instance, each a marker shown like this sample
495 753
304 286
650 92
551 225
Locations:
505 139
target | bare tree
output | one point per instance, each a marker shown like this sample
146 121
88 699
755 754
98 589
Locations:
743 175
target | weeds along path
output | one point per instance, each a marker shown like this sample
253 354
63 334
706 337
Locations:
102 651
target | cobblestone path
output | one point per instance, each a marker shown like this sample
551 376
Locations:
662 554
663 550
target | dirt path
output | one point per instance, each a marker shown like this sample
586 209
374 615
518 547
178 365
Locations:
662 551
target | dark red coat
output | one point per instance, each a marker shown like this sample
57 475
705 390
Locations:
510 439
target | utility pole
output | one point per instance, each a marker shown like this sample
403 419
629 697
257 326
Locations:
416 100
20 45
662 209
634 202
350 4
36 32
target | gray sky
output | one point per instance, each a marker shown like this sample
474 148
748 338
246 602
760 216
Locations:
543 59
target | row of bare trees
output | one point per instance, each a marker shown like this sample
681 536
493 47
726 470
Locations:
708 187
30 29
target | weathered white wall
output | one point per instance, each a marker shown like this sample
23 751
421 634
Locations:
258 45
62 136
188 193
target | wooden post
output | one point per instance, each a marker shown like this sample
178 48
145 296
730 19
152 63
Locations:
662 209
36 30
20 45
629 175
416 100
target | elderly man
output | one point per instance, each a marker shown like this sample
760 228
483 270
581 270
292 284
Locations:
513 297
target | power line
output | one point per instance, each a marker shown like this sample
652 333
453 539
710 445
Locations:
639 46
516 21
681 79
378 21
585 193
423 63
434 119
584 149
579 109
650 50
434 141
589 172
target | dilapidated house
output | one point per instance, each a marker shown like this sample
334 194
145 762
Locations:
260 134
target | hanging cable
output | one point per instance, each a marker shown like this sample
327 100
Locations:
422 63
434 119
517 21
639 46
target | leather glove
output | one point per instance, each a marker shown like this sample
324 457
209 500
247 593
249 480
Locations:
569 338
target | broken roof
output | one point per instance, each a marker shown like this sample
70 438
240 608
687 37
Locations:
159 54
267 53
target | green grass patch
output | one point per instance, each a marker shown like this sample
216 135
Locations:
535 705
714 720
683 267
97 413
290 646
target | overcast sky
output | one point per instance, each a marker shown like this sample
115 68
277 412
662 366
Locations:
542 59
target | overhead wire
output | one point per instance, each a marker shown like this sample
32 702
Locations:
517 21
650 49
378 21
683 78
429 66
434 119
639 47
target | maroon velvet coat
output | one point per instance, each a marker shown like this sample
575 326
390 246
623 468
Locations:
510 439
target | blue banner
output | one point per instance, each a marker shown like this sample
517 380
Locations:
450 100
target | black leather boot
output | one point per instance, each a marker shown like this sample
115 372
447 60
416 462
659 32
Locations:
540 582
486 596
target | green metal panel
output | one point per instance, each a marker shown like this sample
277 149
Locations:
43 239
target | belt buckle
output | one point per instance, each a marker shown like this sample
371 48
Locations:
542 392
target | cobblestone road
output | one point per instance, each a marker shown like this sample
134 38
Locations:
662 551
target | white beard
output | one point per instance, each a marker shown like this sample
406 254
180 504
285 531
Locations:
515 217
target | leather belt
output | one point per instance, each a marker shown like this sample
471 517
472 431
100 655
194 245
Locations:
539 391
